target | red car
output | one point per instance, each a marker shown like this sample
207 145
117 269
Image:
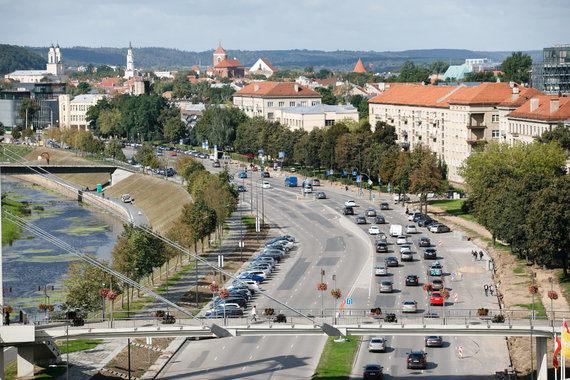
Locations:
436 299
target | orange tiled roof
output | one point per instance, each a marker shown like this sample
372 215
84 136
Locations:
219 50
110 82
542 112
267 89
326 82
525 93
209 70
359 68
195 68
414 95
269 65
485 93
228 63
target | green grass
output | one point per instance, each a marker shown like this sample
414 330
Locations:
174 278
10 231
78 345
564 284
519 269
539 310
249 221
337 358
453 207
498 246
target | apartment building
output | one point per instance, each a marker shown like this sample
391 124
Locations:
265 98
450 120
310 117
72 112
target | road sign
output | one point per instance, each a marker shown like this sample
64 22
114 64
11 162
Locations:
344 172
327 172
260 151
373 196
370 182
453 275
332 172
354 173
349 301
358 179
281 154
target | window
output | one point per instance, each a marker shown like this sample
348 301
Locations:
291 104
495 118
281 104
315 102
270 115
303 104
270 104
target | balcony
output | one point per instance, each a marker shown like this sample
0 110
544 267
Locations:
476 126
475 141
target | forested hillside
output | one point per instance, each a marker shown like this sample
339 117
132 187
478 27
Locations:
14 58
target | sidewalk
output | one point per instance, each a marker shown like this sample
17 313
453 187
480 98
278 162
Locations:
86 364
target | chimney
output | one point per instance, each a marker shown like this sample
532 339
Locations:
512 84
296 87
554 105
515 94
255 87
533 104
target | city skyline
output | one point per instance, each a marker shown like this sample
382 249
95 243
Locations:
311 24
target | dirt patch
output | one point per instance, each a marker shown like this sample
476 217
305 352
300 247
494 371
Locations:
142 356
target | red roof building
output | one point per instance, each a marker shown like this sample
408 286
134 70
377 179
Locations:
359 68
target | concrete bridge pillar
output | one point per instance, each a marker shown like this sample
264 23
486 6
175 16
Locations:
26 361
541 360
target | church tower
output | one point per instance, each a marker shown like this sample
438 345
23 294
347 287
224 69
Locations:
220 54
130 71
55 63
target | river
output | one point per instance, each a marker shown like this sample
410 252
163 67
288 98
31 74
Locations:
32 261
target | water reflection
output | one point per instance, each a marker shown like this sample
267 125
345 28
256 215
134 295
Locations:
31 261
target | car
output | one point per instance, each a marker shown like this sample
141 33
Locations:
350 203
381 270
372 371
218 302
417 360
216 164
402 239
307 188
348 210
315 182
126 198
412 280
265 175
437 284
321 195
435 228
360 220
411 229
159 153
381 237
370 212
409 306
435 269
381 246
379 219
424 222
425 242
391 261
435 298
401 198
250 276
407 255
434 341
384 206
265 185
284 237
405 248
418 216
223 312
242 175
410 216
385 286
241 188
430 253
377 343
374 230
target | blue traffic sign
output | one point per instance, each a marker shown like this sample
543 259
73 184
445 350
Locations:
358 179
354 172
373 196
327 172
349 301
344 172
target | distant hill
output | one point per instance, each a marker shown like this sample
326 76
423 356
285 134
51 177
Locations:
14 58
164 58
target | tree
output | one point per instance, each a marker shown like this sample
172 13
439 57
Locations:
560 134
517 67
145 156
81 286
2 129
483 76
114 149
28 108
438 67
188 165
16 132
108 122
409 72
181 87
328 96
175 129
426 177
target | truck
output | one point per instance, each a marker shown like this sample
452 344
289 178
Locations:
396 230
291 181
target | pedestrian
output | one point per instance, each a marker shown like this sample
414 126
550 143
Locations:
254 313
480 255
346 188
486 287
7 319
473 256
491 289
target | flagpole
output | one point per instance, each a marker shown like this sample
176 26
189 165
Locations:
563 357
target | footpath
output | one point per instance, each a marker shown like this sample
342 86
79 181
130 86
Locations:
85 364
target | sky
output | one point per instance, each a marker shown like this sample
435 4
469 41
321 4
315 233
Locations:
365 25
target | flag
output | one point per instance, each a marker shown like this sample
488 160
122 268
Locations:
565 342
557 347
566 327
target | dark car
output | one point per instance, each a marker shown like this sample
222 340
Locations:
228 313
379 220
241 188
417 360
434 341
360 220
430 253
412 280
384 206
216 164
391 261
425 242
424 222
348 210
321 195
371 212
381 246
265 175
242 175
372 371
418 216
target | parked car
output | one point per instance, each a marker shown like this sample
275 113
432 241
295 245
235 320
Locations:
381 246
425 242
360 220
350 203
424 222
216 164
409 306
321 195
241 188
412 280
386 286
372 371
411 229
381 270
379 219
430 254
374 230
417 360
384 206
377 343
391 261
435 228
435 298
434 341
348 210
370 212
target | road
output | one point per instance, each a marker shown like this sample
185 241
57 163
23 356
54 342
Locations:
329 241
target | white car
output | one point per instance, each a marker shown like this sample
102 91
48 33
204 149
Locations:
398 198
409 306
405 249
377 344
266 185
411 229
381 270
349 203
402 239
374 230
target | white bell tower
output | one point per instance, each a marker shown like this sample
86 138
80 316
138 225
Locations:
130 71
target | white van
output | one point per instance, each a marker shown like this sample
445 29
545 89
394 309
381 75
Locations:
396 230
